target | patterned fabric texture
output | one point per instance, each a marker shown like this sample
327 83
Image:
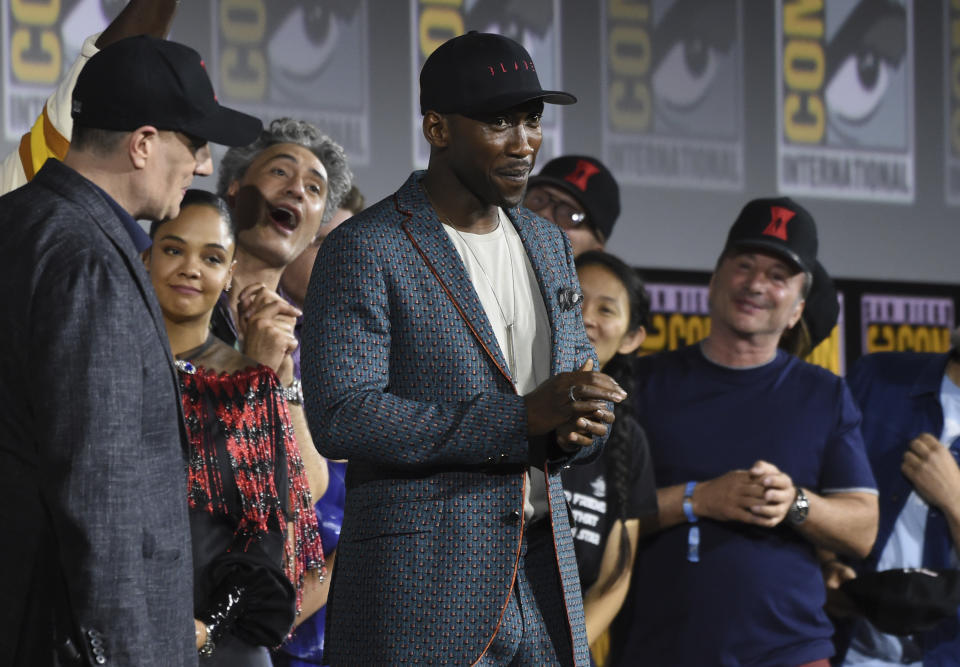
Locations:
243 456
403 377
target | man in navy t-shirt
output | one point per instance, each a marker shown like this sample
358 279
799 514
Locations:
759 460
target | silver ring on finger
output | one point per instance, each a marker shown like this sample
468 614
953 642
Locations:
573 399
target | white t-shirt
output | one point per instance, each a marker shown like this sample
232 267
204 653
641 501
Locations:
508 290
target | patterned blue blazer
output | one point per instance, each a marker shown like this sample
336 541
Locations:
403 376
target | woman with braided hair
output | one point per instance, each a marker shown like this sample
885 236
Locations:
611 497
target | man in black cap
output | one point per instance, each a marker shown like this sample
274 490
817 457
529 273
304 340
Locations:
578 194
758 459
96 549
445 358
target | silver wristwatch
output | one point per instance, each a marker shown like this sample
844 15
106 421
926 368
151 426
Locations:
797 513
294 393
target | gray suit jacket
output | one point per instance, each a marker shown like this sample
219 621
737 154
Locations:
92 448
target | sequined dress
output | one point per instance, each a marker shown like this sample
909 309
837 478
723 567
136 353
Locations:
246 483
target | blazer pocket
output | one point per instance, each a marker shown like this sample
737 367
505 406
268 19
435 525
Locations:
153 551
387 519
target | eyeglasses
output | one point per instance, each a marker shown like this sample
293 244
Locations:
564 214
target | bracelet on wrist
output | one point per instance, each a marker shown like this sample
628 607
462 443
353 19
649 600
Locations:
206 650
693 534
293 393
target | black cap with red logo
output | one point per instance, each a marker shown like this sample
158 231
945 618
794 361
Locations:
588 181
480 73
144 80
779 225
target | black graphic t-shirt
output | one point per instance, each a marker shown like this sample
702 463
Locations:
593 500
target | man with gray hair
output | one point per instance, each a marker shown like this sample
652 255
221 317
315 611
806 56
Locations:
282 188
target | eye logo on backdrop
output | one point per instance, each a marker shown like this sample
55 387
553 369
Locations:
673 87
533 23
40 41
297 58
845 99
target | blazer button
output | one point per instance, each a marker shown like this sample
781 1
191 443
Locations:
514 517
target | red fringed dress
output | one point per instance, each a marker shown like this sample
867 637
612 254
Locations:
246 483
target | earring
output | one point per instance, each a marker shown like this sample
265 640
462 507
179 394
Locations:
229 285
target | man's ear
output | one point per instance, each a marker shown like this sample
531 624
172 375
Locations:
797 313
231 194
142 143
436 129
631 341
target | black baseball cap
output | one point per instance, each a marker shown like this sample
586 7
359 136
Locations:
144 80
587 180
821 309
778 225
480 73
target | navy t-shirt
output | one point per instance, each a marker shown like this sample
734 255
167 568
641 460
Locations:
756 596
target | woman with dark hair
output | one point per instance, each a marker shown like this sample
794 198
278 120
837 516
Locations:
252 524
611 497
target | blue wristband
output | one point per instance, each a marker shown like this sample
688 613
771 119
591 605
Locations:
693 533
688 502
693 544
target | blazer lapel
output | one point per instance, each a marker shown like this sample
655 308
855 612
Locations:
425 231
544 263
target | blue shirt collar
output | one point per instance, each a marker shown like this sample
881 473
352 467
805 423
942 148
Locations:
141 240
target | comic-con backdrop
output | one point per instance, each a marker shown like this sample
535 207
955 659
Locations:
850 106
874 316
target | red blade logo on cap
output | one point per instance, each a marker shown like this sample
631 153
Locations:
779 217
582 174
